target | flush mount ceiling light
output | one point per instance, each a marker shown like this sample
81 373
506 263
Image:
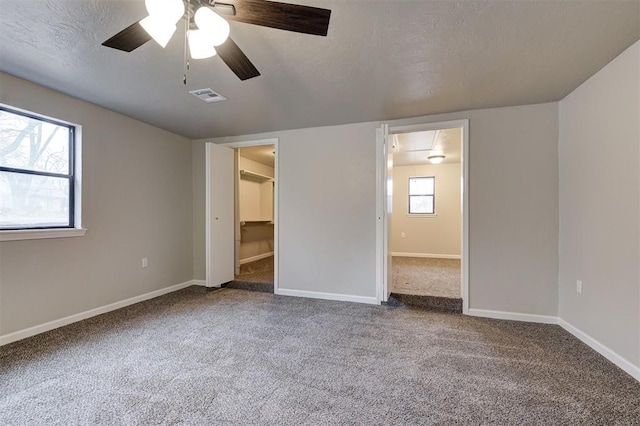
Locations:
436 159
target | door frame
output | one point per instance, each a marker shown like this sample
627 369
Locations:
382 236
246 144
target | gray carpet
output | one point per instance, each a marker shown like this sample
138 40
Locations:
426 277
238 357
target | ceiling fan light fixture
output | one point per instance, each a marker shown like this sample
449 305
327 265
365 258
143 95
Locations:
161 31
200 46
213 25
165 10
436 159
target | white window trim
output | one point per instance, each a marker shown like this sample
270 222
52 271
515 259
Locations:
38 234
77 230
422 215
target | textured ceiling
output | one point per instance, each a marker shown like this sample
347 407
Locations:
382 59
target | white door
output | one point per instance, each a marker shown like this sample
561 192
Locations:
220 214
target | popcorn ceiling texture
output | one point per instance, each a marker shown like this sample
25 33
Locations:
251 358
381 60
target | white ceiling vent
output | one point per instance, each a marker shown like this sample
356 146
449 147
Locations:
208 95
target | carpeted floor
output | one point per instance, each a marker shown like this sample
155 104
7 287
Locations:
426 277
248 358
259 271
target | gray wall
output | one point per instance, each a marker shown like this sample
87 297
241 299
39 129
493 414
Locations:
327 207
599 206
137 202
513 207
199 211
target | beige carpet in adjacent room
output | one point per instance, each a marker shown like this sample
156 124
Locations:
259 271
421 276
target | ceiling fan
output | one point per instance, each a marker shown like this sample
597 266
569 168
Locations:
208 32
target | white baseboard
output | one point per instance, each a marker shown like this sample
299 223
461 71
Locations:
431 256
254 258
326 296
198 282
630 368
612 356
513 316
32 331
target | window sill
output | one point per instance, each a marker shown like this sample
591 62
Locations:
422 215
38 234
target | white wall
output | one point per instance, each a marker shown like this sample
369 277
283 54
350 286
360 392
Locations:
599 153
327 207
137 202
436 235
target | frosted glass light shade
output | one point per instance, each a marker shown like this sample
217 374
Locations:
165 10
199 45
436 159
213 25
160 31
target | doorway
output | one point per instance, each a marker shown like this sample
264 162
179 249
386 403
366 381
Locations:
423 215
242 215
254 201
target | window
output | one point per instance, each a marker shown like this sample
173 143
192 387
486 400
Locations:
37 165
422 198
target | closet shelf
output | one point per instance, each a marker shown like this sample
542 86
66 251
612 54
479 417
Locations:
266 221
255 176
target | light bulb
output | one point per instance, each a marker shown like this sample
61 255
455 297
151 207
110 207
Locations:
161 31
166 10
216 28
199 45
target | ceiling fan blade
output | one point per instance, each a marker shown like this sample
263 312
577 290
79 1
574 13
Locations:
284 16
129 39
235 59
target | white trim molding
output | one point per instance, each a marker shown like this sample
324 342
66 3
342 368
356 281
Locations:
327 296
612 356
38 234
513 316
426 255
624 364
51 325
276 200
257 257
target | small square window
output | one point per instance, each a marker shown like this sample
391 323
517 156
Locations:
422 198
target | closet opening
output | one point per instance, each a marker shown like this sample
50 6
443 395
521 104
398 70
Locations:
254 189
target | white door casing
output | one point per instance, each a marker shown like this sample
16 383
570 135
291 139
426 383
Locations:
220 214
383 213
384 196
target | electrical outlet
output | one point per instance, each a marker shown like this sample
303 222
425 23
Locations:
579 286
402 235
145 262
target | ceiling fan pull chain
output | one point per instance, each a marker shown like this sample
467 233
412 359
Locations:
186 55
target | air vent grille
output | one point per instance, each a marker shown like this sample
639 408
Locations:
208 95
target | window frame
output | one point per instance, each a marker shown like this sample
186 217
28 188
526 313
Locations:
71 176
433 195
